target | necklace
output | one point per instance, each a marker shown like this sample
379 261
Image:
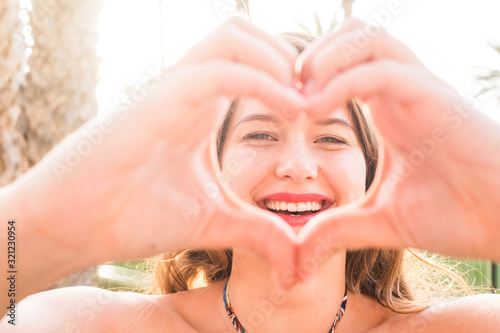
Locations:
239 328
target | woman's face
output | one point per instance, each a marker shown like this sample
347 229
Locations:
293 168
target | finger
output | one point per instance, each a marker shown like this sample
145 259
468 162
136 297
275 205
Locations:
353 49
211 79
399 81
346 227
244 226
241 42
265 233
269 237
282 46
363 44
302 64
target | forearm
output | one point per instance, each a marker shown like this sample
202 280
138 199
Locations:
31 260
478 152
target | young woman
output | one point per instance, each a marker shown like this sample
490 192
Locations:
278 163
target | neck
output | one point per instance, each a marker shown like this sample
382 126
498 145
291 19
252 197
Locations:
308 307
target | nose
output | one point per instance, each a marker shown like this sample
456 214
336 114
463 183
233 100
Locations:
297 164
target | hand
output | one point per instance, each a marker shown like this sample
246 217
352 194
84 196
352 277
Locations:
161 190
437 185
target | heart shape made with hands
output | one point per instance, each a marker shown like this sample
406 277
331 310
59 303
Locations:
403 206
312 245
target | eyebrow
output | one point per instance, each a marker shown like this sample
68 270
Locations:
258 117
272 119
337 121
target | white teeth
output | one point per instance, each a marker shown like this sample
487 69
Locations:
294 206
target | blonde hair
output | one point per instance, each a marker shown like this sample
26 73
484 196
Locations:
378 273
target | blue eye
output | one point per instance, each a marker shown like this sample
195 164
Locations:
331 139
259 136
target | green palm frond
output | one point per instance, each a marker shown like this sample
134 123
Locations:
304 28
492 75
333 23
496 47
490 80
318 29
488 90
317 21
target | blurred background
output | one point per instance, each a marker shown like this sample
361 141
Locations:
63 62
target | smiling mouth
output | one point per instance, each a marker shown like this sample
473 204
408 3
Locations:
296 208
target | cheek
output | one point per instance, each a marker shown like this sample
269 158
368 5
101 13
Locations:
243 169
347 172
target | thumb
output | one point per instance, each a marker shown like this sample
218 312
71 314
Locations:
266 235
347 227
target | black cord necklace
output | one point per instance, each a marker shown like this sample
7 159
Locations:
239 328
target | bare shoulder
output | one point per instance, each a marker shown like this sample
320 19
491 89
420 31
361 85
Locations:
135 312
60 310
197 307
187 312
89 309
468 314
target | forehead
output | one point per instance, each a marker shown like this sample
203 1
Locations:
252 109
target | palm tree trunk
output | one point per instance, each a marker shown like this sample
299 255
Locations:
243 7
13 161
59 93
347 6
